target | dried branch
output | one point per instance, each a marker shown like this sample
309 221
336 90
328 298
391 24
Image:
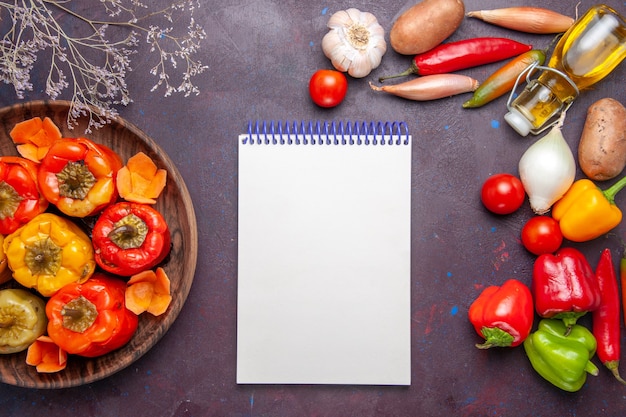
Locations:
85 59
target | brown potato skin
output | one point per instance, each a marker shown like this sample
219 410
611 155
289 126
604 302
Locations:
425 25
602 146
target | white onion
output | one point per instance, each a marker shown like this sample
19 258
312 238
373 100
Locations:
547 170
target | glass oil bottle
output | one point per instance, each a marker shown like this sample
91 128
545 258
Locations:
585 54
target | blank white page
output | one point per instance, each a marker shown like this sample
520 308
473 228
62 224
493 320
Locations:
324 264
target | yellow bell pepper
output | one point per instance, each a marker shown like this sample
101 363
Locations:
586 212
49 252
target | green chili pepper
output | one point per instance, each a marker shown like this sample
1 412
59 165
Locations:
562 360
503 80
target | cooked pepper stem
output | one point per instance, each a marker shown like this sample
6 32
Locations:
75 180
129 232
43 257
614 189
7 322
79 314
9 200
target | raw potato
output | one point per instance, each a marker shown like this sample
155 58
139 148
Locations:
425 25
602 147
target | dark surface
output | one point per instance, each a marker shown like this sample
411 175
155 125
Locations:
260 56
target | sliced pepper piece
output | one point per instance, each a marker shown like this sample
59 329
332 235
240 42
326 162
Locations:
149 291
586 212
562 360
34 137
140 180
49 252
46 356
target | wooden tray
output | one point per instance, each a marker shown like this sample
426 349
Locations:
176 206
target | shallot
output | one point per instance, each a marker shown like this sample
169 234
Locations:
547 169
525 19
431 87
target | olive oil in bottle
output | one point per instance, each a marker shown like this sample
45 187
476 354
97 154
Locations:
587 52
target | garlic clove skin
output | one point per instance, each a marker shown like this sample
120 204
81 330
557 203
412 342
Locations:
355 42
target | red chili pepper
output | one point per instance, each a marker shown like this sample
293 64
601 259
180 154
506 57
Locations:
468 53
503 316
622 274
605 318
564 286
20 197
129 238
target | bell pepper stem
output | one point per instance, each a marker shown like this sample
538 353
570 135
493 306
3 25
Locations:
495 337
591 368
569 319
612 191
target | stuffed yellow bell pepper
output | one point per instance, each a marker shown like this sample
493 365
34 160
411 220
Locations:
49 252
586 212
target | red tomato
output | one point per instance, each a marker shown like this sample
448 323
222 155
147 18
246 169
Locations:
502 193
328 87
542 234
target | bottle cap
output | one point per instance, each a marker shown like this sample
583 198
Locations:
518 122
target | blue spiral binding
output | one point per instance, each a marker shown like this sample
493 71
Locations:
327 133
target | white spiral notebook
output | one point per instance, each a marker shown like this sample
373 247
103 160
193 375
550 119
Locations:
324 236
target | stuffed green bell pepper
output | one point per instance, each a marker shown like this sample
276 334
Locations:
22 319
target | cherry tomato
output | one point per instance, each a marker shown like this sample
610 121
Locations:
542 234
328 87
503 193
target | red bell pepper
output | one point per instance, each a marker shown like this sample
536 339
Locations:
564 286
78 176
91 319
503 316
129 238
20 197
454 56
605 319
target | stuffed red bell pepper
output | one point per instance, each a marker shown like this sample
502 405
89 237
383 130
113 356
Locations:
503 316
20 197
91 319
78 176
564 286
129 238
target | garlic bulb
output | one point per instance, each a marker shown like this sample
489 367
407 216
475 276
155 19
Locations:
355 42
547 170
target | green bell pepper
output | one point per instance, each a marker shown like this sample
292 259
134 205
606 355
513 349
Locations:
562 360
